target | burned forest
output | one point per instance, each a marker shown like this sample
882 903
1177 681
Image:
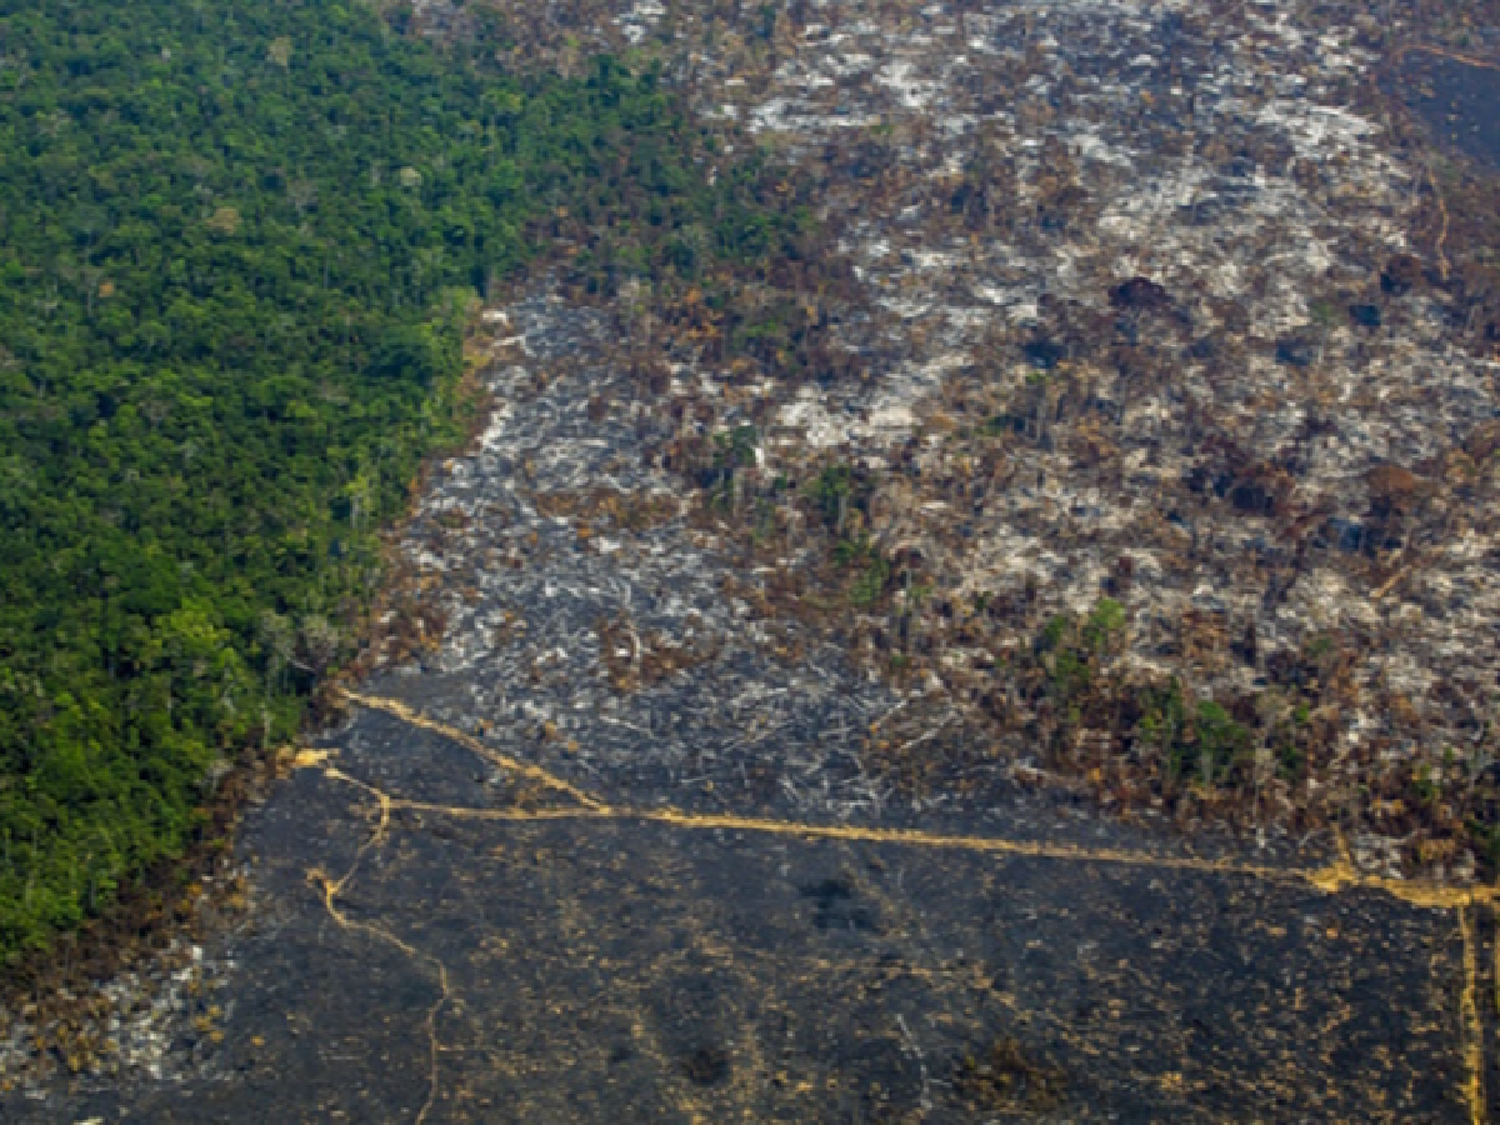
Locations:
1138 416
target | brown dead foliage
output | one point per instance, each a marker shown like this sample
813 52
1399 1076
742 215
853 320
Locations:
606 506
638 659
1006 1078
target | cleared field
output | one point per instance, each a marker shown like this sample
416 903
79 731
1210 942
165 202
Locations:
561 961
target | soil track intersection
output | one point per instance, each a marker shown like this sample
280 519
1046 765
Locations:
540 953
1336 877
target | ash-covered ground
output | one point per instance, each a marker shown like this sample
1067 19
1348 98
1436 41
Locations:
601 971
1158 302
578 599
1148 261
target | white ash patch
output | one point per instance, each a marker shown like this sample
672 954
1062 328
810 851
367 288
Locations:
1219 158
640 20
547 614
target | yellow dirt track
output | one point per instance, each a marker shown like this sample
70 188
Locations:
1339 876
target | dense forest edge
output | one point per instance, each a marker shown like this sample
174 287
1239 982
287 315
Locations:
239 248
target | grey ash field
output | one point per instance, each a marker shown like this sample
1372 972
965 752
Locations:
1287 426
602 971
1175 304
